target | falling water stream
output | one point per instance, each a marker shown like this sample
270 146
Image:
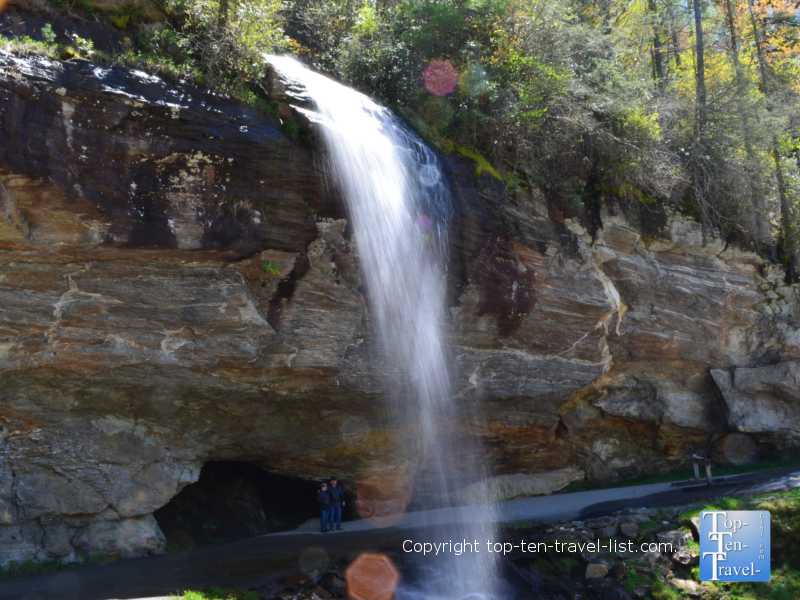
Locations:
400 210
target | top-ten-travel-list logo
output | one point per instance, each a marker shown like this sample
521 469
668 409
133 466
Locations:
734 545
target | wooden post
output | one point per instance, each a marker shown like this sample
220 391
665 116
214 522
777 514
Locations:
706 462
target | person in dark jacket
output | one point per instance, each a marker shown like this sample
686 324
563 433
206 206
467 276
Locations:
324 504
337 502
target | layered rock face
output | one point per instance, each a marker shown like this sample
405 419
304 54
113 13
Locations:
178 284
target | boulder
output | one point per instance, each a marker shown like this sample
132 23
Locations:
685 558
761 399
596 571
688 586
676 539
619 569
630 529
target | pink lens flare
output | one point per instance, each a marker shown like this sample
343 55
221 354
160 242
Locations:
440 77
423 223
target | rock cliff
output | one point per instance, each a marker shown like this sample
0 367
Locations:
178 285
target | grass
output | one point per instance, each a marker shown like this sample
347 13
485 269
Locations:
157 65
174 547
635 579
786 503
28 46
15 570
560 567
784 583
662 591
25 568
216 594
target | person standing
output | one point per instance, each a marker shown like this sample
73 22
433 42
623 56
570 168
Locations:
324 505
337 502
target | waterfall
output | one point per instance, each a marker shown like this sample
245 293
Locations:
400 208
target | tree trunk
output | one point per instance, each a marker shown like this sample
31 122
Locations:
674 35
658 60
732 30
762 64
222 17
702 113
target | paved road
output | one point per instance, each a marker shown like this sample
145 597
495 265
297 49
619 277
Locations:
257 561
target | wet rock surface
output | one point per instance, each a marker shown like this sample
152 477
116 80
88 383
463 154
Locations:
178 284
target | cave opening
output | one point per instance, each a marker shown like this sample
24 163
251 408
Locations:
235 500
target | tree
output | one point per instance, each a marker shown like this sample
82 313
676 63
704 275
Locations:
658 59
702 108
786 232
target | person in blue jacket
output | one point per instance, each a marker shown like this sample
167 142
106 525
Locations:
324 505
337 502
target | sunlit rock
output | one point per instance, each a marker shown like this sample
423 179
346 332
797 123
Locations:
179 290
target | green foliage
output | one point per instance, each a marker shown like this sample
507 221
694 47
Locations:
559 94
79 6
84 47
565 92
27 45
483 164
121 21
168 44
48 35
635 579
13 570
271 267
293 128
269 107
226 47
557 567
215 593
173 547
785 526
367 21
661 591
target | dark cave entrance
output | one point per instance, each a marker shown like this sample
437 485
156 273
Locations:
235 500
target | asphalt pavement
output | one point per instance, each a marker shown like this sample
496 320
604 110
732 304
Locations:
260 560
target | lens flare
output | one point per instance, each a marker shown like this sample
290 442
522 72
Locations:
736 449
3 5
372 577
130 535
440 77
423 223
473 80
383 492
429 176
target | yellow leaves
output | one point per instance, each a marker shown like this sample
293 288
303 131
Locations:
639 124
367 21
